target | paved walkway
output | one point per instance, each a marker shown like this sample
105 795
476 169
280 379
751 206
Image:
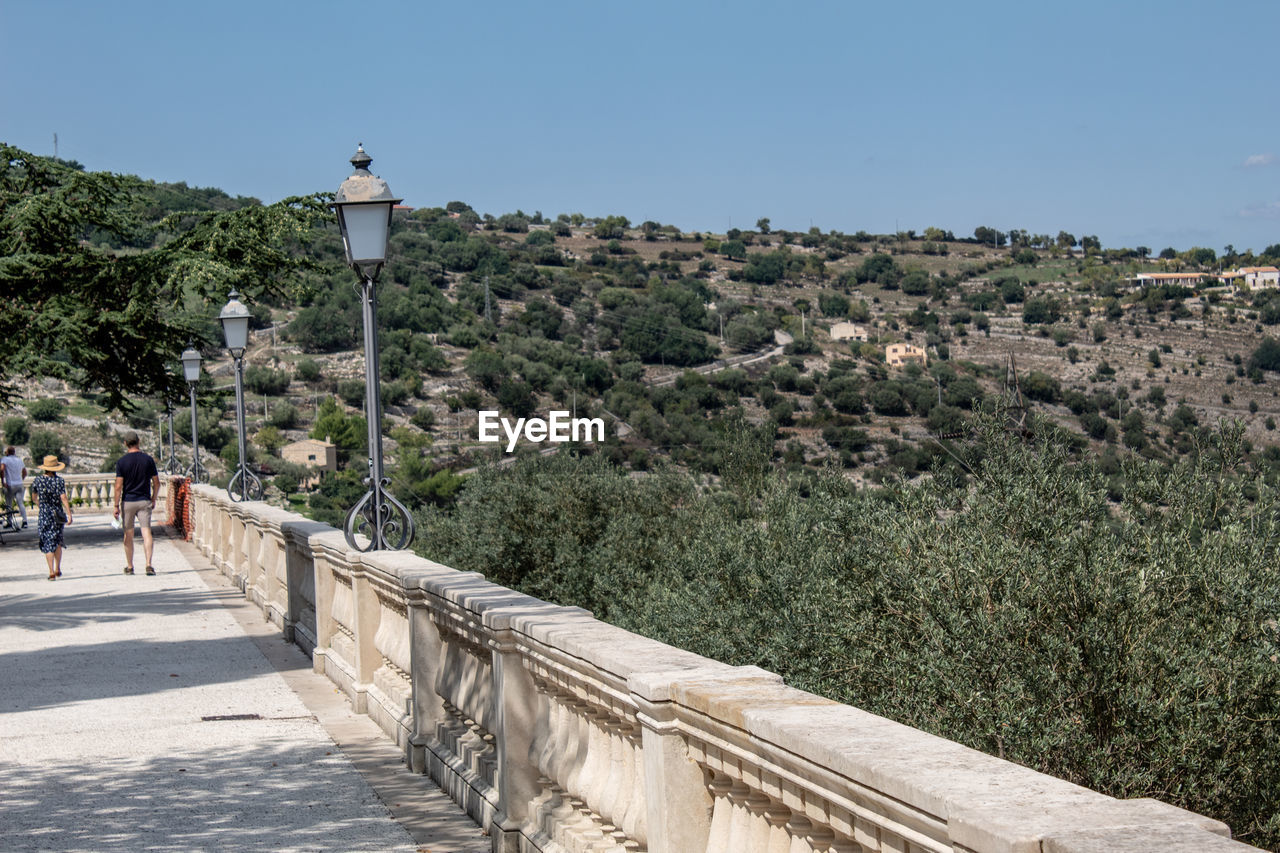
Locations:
162 713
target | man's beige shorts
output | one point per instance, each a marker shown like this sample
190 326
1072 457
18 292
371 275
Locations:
136 511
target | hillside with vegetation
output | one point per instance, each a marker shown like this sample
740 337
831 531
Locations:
670 335
1052 541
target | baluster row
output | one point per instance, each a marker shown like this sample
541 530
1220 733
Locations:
591 774
747 819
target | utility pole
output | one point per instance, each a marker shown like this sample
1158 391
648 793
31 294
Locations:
55 145
1017 406
488 311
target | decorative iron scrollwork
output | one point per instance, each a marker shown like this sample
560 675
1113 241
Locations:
383 521
245 488
196 473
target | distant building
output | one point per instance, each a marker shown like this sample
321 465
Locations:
1186 279
897 355
1252 277
1260 277
848 332
313 453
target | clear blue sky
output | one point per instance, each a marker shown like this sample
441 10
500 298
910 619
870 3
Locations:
1146 123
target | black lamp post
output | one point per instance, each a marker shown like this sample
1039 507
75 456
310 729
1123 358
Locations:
171 465
191 370
363 204
244 485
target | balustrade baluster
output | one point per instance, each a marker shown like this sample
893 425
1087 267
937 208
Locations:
488 757
566 768
578 730
740 822
613 806
820 839
537 751
545 758
757 805
777 815
551 761
564 746
597 772
721 813
633 819
610 809
799 827
590 777
474 744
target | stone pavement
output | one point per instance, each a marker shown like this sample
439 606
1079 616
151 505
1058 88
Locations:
162 713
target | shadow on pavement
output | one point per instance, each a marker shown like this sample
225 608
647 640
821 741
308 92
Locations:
71 610
61 675
262 796
89 531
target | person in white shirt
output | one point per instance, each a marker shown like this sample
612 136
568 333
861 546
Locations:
14 472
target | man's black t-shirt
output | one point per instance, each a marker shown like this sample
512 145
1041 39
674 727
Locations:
137 469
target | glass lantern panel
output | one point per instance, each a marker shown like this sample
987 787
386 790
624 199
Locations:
236 330
366 227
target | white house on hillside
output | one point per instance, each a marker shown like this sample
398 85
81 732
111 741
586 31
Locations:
1260 277
848 332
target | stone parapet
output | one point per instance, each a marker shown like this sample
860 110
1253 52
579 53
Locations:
91 494
559 732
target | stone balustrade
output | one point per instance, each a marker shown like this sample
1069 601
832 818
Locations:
558 732
95 493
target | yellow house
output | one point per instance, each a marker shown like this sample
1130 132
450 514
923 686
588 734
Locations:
897 355
313 453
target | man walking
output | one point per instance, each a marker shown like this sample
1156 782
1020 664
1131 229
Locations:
13 473
137 485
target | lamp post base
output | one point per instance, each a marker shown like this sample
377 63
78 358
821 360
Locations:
381 520
245 486
196 474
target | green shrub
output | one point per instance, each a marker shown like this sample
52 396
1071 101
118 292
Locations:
1129 650
45 411
230 454
44 443
352 391
307 370
16 430
284 416
142 417
424 418
264 380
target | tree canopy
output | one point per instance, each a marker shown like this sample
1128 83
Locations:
115 319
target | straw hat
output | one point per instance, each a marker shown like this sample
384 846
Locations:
51 463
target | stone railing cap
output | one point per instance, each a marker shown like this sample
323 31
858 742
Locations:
1167 838
1009 826
662 685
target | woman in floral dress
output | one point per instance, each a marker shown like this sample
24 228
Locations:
50 489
